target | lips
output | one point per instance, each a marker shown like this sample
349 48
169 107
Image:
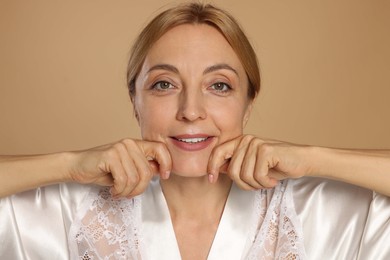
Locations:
192 142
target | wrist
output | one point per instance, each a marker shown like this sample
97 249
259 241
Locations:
65 162
318 161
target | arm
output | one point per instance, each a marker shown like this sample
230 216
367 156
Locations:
123 165
21 173
366 168
254 163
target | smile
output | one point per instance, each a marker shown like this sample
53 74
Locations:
192 143
192 140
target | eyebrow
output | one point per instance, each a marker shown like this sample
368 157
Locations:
167 67
220 66
213 68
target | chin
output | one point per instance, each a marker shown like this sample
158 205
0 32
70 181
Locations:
190 169
189 164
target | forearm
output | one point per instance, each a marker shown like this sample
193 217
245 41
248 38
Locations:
366 168
21 173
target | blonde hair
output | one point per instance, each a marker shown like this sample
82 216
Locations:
195 13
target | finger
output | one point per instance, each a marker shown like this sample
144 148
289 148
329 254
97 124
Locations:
247 173
262 171
105 180
160 154
128 164
145 175
220 157
119 176
277 175
241 166
154 167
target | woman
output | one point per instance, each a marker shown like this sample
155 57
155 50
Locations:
220 194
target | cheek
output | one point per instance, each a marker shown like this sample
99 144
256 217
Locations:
229 118
153 119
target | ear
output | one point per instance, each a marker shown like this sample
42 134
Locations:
247 114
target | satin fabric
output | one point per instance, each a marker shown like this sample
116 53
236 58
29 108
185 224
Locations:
340 221
230 239
34 224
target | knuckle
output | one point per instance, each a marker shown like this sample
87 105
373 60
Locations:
133 179
111 154
258 178
119 146
127 142
256 142
148 174
248 138
265 149
161 148
235 176
120 179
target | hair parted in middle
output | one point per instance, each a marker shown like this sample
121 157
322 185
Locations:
194 13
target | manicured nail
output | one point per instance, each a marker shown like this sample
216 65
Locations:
211 178
165 175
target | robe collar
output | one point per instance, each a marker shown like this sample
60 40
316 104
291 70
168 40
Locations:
232 236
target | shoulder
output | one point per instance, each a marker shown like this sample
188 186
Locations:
32 217
337 216
328 194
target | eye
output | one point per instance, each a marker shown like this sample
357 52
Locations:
221 87
162 86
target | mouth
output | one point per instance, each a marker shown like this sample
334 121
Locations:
192 142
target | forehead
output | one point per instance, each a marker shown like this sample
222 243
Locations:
193 44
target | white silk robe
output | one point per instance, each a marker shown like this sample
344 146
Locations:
339 221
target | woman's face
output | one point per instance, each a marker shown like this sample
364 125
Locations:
191 94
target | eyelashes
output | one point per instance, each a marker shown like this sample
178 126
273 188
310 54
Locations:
219 87
162 86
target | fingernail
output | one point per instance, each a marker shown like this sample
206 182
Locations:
165 175
211 178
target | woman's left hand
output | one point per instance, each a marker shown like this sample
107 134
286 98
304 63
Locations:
254 163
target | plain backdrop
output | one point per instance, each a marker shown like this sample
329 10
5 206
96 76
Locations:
325 69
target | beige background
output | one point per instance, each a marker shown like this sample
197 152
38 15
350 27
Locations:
325 68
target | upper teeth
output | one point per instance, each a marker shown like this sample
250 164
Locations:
193 140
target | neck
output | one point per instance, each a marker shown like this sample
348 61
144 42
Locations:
195 197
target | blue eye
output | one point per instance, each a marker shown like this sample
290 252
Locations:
221 87
162 85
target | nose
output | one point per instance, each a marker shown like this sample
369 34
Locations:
191 106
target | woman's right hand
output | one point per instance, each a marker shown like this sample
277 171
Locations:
127 165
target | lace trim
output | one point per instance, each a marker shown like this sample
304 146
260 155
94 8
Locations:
108 229
111 229
277 233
